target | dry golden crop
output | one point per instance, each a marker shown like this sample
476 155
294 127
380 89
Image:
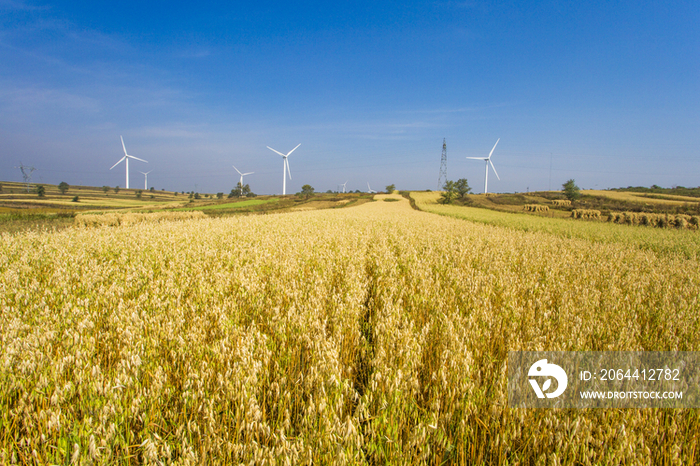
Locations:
368 335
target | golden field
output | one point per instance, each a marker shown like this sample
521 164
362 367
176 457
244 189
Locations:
374 334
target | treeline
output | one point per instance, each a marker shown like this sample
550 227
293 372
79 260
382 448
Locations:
654 189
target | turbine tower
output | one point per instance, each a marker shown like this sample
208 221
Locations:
145 186
488 161
285 165
126 157
343 185
242 174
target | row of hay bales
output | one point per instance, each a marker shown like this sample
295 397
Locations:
561 202
585 214
535 208
656 220
129 218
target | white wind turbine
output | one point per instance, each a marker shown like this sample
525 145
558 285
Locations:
370 190
126 157
145 186
343 185
488 161
285 165
242 174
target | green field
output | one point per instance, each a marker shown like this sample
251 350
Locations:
232 205
684 242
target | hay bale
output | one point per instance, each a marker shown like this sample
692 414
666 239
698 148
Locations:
535 208
561 202
585 214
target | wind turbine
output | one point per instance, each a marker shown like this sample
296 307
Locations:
370 190
488 161
242 174
145 186
343 185
126 157
285 165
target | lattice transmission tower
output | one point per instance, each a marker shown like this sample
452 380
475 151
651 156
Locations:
26 173
443 166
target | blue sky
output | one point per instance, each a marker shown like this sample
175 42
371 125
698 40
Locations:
605 92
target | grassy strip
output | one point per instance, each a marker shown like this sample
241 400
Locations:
232 205
684 242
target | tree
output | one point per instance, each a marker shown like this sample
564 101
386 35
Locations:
116 189
390 188
462 187
450 192
63 187
196 195
153 189
105 189
41 191
571 191
75 199
138 194
240 191
219 195
307 191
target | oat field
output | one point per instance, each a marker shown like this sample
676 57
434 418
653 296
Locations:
369 335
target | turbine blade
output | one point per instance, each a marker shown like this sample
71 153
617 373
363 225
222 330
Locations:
494 147
234 167
123 146
243 174
478 158
290 152
132 157
120 161
494 170
276 152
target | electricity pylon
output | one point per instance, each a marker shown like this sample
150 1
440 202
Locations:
442 179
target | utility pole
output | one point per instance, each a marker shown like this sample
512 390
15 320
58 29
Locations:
443 166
